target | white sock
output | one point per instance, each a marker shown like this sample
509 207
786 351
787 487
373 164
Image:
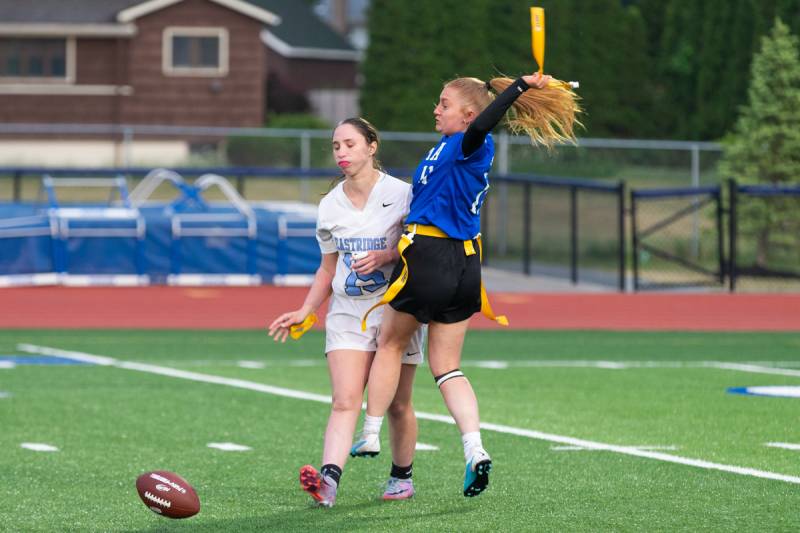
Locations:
372 424
471 441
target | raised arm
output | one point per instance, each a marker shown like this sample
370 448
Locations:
480 127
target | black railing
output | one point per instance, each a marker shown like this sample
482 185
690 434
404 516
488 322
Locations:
729 264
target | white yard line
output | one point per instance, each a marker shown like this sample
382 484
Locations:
38 447
784 445
581 449
769 367
509 430
755 369
229 446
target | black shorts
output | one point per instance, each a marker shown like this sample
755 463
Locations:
444 284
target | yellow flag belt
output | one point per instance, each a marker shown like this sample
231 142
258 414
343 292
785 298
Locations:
297 330
406 240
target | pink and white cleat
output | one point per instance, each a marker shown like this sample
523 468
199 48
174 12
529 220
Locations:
398 489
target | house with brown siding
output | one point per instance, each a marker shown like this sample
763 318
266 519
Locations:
164 62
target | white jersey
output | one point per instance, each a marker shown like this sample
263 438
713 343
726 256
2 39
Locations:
343 229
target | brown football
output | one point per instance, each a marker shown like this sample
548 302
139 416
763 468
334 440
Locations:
167 494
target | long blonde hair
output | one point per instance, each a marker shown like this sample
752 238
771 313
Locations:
548 116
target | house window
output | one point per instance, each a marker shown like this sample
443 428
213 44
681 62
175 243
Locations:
37 60
192 51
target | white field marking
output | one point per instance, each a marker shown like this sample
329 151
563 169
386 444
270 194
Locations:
307 362
426 447
755 369
4 394
38 447
7 365
777 391
499 428
229 446
255 365
784 445
498 365
580 448
172 372
503 365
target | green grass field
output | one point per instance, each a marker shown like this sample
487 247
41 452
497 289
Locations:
112 423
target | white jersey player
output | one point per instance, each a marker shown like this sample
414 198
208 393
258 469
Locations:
353 234
358 226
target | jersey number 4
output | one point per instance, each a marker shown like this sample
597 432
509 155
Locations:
356 283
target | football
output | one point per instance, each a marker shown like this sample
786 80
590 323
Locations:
167 494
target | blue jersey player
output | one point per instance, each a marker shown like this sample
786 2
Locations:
438 281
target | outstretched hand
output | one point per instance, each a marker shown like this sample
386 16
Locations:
537 81
279 329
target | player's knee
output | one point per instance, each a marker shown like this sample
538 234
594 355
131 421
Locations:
444 377
391 342
400 408
346 402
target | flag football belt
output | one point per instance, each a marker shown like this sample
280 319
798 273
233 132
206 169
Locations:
406 240
297 330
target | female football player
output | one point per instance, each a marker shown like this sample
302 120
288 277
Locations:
359 223
438 281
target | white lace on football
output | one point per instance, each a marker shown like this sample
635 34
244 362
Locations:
155 499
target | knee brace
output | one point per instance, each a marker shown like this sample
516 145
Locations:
448 375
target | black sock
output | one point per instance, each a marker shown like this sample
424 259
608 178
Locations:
332 471
401 472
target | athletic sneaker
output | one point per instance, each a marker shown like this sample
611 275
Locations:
366 445
476 475
319 487
398 489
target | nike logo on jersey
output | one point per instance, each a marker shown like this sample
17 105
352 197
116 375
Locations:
387 205
411 354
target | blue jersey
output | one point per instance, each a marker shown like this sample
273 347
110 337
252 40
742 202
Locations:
449 189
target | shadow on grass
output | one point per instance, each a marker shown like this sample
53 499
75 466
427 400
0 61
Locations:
364 516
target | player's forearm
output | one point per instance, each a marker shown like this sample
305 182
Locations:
319 291
491 116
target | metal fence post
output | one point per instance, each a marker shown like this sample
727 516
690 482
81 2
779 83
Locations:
696 216
17 186
240 184
733 199
127 146
502 210
720 238
526 229
635 238
621 230
573 234
305 164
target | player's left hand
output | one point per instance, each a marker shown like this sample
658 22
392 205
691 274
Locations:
537 81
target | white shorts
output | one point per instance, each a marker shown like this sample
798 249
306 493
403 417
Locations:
343 329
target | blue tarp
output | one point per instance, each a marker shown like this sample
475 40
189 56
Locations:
91 239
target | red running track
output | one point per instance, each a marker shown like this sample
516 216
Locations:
254 307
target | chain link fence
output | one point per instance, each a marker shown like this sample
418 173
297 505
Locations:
764 242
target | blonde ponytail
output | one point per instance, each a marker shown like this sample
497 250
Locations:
548 116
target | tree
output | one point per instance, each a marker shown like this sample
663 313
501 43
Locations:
416 46
765 144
